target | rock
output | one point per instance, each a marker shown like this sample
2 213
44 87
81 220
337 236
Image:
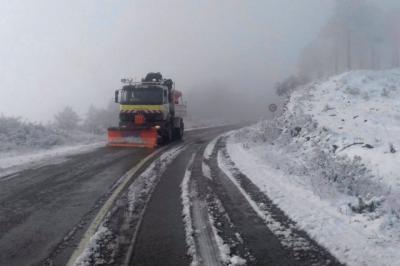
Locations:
335 147
392 149
295 132
368 146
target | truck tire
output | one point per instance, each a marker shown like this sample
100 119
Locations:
168 135
178 131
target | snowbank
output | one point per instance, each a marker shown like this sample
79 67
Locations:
24 144
17 136
330 161
186 214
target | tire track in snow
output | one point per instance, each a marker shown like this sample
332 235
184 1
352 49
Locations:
205 245
225 244
200 238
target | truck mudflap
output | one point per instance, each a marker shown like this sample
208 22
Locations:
127 137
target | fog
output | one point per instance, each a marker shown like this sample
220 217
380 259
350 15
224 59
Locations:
224 55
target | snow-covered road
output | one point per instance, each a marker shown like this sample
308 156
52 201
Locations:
189 204
189 207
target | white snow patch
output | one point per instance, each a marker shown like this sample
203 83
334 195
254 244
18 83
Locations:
146 182
237 261
187 217
224 249
359 107
211 145
26 143
14 163
347 238
210 148
206 170
93 249
286 235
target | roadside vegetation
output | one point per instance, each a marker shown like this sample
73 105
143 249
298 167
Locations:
68 128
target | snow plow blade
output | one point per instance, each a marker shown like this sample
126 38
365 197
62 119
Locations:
126 137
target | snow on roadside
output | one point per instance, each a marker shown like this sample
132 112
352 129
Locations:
187 217
345 237
205 168
208 151
330 161
286 235
210 148
143 185
94 248
12 163
188 198
224 249
25 145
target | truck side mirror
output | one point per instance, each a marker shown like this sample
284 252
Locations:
116 96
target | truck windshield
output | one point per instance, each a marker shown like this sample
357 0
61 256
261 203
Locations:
140 95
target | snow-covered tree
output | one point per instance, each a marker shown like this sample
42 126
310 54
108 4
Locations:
288 85
394 29
358 35
67 119
98 120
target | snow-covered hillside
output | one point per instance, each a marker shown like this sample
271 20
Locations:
331 161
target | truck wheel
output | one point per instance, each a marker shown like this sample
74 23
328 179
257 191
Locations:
178 131
167 138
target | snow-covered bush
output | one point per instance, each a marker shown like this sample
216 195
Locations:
18 135
97 120
67 119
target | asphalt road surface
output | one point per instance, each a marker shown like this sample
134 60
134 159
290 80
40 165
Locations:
46 212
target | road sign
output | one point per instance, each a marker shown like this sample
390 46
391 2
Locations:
273 107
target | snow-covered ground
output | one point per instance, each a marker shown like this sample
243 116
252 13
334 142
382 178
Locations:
25 145
10 164
330 161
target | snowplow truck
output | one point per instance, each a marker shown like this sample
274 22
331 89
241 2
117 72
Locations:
151 113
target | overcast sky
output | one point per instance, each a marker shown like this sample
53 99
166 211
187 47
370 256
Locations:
68 52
